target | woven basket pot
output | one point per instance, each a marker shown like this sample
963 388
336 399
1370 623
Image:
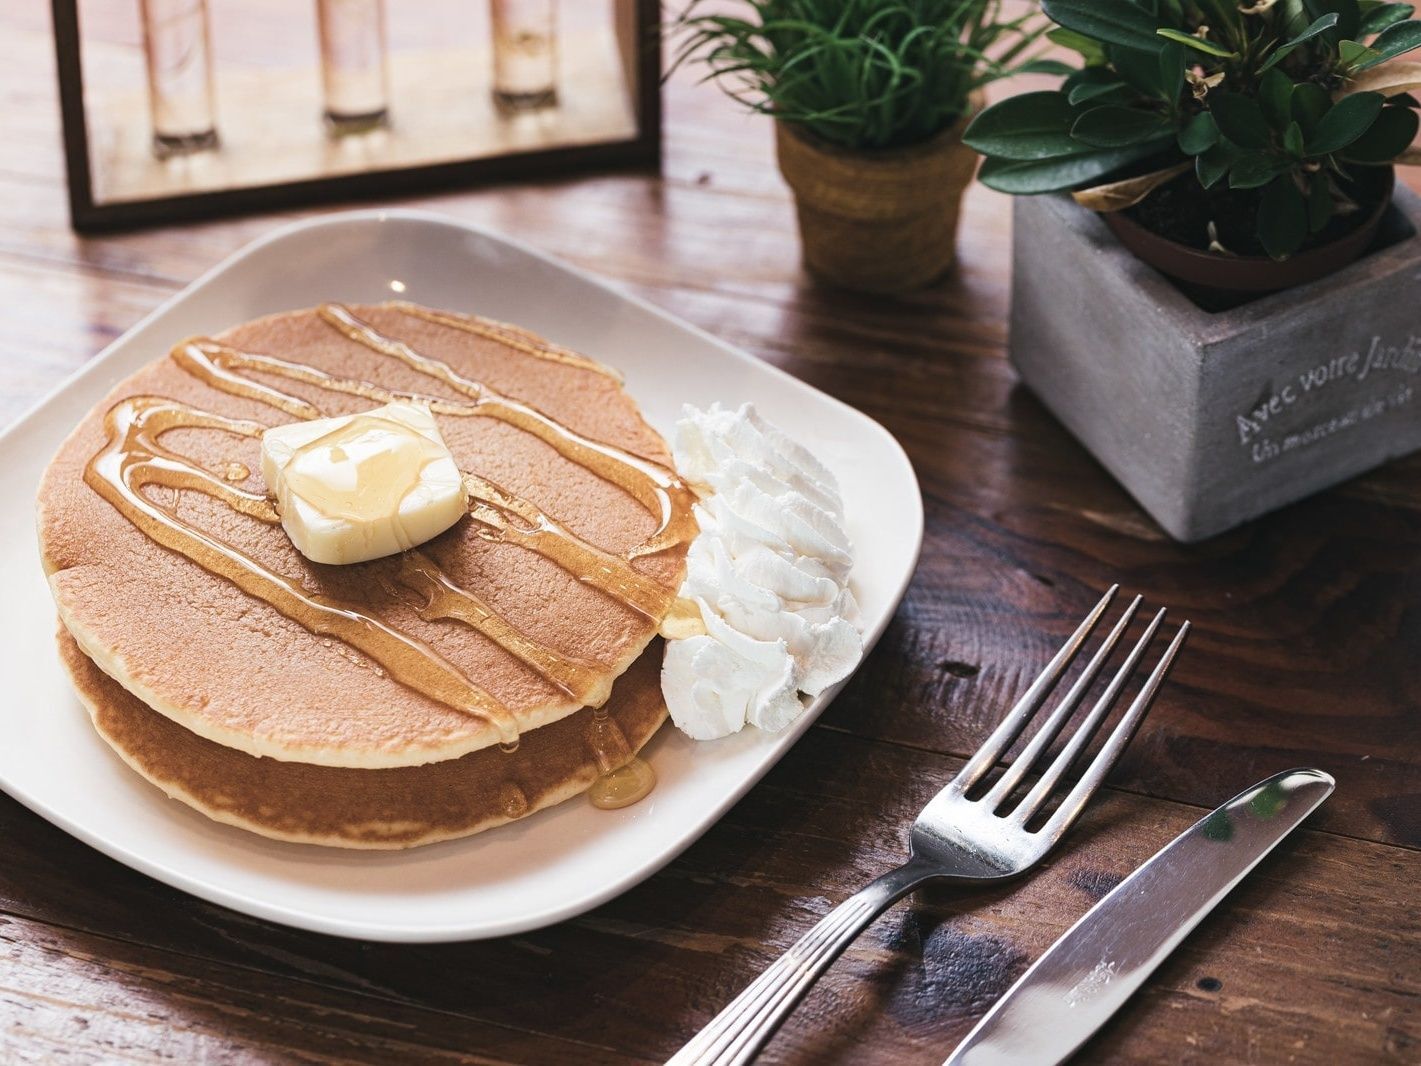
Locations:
877 221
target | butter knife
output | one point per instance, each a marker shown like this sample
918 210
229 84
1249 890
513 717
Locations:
1097 964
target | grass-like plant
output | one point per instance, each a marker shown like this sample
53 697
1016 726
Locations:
1275 106
862 74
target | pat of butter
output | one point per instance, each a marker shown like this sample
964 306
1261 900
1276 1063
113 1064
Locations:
363 486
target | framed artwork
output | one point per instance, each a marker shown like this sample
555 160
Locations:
188 109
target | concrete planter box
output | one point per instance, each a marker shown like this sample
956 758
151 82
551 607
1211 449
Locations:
1210 419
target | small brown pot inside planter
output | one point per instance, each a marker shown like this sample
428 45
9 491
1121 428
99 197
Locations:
877 221
1213 273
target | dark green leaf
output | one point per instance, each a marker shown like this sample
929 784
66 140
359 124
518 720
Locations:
1293 140
1382 16
1140 69
1089 76
1392 42
1028 126
1344 122
1199 134
1171 72
1310 102
1321 24
1349 16
1282 218
1169 11
1197 43
1113 21
1213 165
1026 177
1326 22
1091 83
1275 92
1088 48
1290 16
1239 118
1045 66
1394 129
1319 201
1117 91
1253 169
1354 55
1115 127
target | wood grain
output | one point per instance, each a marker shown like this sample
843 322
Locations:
1300 952
1306 650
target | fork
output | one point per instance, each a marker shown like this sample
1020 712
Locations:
955 838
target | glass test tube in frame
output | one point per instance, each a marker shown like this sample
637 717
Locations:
525 54
177 48
353 64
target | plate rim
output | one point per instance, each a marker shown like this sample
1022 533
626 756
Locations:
384 930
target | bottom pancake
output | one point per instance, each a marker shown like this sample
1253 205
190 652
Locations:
398 807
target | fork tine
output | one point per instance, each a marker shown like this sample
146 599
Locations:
1011 726
1051 776
1109 754
1023 763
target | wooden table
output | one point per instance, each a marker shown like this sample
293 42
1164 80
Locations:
1306 651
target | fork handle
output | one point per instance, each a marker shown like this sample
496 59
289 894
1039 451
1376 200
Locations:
735 1035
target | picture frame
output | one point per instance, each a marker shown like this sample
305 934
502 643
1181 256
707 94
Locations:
95 205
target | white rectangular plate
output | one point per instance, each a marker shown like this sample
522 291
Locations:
550 866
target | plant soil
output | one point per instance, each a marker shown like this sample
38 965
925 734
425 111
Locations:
1181 210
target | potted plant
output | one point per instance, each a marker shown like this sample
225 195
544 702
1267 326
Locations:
869 99
1247 146
1244 150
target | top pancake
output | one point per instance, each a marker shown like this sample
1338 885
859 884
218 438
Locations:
232 668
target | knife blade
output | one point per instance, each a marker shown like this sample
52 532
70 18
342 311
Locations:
1097 964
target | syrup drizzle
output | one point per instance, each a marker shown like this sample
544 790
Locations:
622 787
575 677
508 335
134 458
623 777
657 489
216 365
503 512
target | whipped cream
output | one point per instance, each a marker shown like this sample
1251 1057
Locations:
766 612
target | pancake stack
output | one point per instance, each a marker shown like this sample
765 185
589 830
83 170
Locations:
506 665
